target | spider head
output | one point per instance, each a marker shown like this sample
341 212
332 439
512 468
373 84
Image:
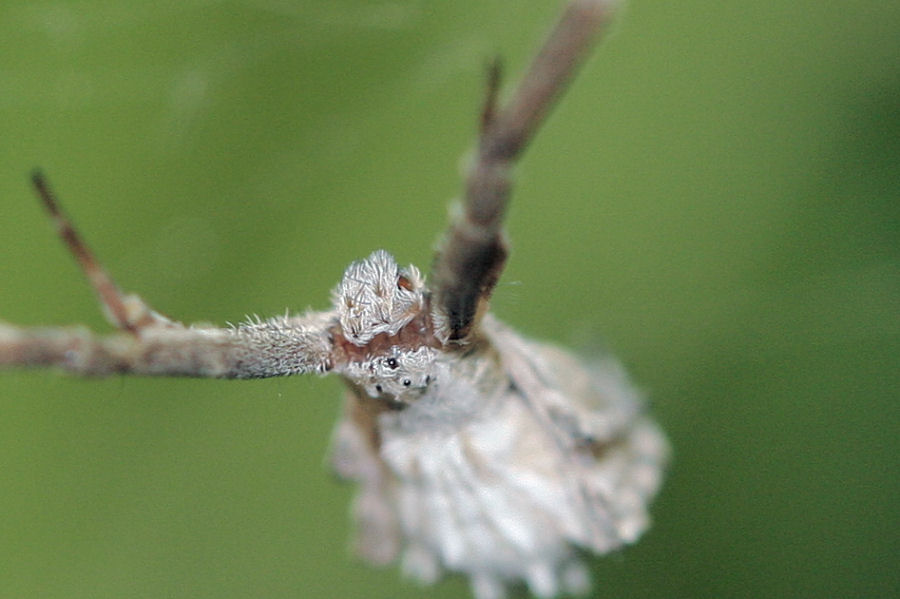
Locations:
376 296
401 375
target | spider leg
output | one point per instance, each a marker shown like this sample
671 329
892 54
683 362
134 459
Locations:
492 88
473 252
153 345
127 312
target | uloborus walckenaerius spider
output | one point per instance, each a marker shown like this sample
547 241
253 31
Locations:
475 450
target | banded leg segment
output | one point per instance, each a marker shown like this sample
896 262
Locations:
125 312
473 252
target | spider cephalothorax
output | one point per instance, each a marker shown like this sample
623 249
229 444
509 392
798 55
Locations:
385 339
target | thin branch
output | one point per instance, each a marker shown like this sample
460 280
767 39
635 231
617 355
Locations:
473 252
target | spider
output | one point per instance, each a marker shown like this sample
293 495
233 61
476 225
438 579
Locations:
475 450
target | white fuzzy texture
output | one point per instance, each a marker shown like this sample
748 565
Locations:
370 301
506 463
402 375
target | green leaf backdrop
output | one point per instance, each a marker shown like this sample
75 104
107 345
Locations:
717 199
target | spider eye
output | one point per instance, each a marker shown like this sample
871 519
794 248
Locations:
378 388
407 382
392 363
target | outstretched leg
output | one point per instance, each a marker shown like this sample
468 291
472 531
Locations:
473 252
126 312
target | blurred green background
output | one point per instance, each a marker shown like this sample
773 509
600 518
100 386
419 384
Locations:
717 199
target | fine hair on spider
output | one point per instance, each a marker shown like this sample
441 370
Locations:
475 450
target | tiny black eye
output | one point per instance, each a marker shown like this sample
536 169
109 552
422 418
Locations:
392 363
407 382
378 388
